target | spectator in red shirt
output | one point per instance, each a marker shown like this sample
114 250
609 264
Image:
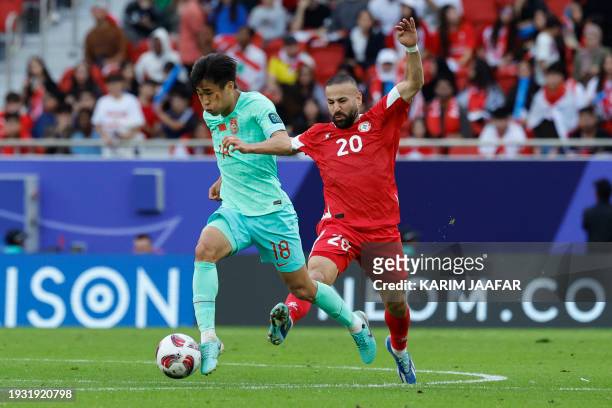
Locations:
146 92
481 96
38 83
418 130
81 78
443 115
251 61
500 39
456 39
191 20
12 131
14 105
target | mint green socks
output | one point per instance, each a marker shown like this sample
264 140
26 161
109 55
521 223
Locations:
331 303
205 288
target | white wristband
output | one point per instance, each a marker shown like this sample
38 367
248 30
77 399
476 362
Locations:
413 49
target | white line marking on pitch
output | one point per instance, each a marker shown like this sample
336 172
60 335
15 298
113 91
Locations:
479 377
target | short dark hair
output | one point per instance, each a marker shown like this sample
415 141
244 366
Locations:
11 117
12 97
217 68
557 68
181 90
143 236
114 77
289 40
501 113
86 91
341 78
552 21
64 108
587 109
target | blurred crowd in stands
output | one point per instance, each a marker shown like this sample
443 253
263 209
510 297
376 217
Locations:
499 70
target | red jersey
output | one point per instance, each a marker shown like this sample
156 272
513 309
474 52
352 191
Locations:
357 164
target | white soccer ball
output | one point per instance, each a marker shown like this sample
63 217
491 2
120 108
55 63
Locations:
178 355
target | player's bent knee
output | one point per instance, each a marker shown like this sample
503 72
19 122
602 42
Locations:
316 275
322 273
207 252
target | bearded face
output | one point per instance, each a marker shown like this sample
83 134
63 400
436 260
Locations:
343 102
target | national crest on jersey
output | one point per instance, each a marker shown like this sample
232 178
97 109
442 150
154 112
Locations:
234 126
364 126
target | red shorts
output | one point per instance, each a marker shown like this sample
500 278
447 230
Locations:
341 244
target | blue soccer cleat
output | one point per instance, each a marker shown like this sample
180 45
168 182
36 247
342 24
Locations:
280 324
365 341
210 355
405 366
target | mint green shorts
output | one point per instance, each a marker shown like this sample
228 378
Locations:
276 235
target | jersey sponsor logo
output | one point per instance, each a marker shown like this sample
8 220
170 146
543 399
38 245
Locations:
365 126
234 125
222 127
274 118
279 264
327 135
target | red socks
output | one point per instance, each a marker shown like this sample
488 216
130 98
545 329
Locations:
398 327
297 308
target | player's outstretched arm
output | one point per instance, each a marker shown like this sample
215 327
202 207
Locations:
407 36
279 144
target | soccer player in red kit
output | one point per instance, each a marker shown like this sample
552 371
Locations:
355 155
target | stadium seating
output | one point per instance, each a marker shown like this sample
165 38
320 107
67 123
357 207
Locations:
327 60
9 12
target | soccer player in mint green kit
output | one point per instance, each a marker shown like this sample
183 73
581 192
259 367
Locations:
254 210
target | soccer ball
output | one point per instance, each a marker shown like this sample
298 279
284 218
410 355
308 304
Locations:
178 355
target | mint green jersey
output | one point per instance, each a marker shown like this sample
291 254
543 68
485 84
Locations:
250 181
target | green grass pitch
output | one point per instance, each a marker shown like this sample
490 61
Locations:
318 367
